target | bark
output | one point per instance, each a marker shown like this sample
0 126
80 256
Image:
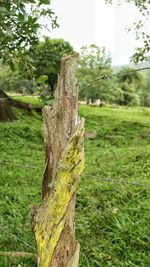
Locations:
53 221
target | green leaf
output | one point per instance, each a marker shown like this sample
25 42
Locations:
44 2
21 17
9 31
12 66
42 79
3 9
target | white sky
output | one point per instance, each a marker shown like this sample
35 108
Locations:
83 22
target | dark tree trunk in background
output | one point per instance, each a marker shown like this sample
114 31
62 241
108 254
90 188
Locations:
6 102
6 113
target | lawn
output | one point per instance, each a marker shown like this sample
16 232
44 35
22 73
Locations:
113 201
31 99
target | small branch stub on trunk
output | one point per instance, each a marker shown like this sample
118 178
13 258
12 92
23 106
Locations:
53 221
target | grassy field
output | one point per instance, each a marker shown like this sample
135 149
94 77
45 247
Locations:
113 215
31 99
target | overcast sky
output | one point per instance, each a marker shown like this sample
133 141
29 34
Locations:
85 22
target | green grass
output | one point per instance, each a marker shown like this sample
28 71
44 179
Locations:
31 99
112 218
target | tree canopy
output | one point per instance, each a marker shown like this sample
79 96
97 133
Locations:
97 81
46 57
130 82
145 91
20 22
96 62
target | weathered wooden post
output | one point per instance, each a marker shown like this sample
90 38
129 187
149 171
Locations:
53 221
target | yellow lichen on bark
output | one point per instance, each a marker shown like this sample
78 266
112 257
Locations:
50 217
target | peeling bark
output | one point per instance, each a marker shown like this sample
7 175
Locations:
60 121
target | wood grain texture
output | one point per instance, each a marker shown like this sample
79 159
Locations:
53 221
60 121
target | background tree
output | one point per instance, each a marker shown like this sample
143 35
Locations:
130 82
46 57
96 62
19 26
12 81
20 22
145 91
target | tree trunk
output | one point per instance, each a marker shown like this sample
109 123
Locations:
6 113
53 221
6 102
